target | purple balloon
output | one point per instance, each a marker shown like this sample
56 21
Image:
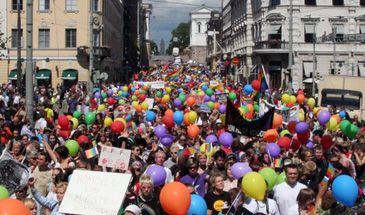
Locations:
177 102
157 173
211 138
301 127
323 117
310 144
97 95
167 140
110 92
226 139
240 169
159 131
222 108
212 98
273 149
206 98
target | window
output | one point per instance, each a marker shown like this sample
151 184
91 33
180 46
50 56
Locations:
95 5
14 38
337 2
338 30
70 38
309 33
71 5
362 29
199 27
43 5
274 2
96 37
362 2
43 38
275 32
14 5
310 2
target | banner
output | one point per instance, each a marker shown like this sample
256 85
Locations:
114 157
221 98
95 193
236 124
153 84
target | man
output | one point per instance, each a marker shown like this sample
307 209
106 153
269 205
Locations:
285 194
219 163
42 173
160 157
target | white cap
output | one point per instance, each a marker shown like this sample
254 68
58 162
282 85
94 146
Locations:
134 209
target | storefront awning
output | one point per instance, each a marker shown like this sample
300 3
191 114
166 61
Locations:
13 74
69 74
43 74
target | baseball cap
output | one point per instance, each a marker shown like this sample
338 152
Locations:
134 209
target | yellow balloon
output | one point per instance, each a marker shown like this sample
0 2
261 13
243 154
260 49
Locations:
242 111
192 116
332 124
293 99
285 98
50 113
223 119
125 89
254 186
168 89
311 102
108 121
75 123
134 104
144 106
301 117
201 93
165 99
101 107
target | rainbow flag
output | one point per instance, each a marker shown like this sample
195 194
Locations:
330 171
189 151
208 147
90 153
278 163
324 181
262 79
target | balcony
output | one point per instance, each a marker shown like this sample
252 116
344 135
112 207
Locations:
271 46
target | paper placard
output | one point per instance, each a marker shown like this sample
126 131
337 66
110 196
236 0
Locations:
221 98
95 193
150 102
114 157
153 84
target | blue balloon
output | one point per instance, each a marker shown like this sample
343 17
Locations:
248 89
133 89
178 117
125 94
197 206
150 116
342 114
345 190
204 87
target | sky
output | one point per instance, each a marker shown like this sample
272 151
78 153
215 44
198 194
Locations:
167 14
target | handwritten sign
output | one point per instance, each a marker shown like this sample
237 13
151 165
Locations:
95 193
114 157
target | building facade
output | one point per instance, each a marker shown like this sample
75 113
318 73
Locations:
3 32
260 32
61 37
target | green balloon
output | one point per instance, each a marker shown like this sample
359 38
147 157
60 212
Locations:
211 105
281 178
284 132
90 118
73 147
351 131
104 95
182 97
76 114
209 92
142 91
232 96
343 125
158 94
120 93
269 175
121 102
245 108
256 108
4 193
134 98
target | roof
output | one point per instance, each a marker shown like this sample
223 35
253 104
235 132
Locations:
202 9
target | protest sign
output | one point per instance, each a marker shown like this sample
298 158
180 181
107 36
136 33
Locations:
222 97
95 193
153 84
150 102
114 157
204 108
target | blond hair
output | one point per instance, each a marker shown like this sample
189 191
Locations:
145 179
62 185
29 203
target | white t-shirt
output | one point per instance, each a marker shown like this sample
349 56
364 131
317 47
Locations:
294 209
260 207
286 196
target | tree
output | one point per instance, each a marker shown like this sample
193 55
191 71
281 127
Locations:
2 43
154 48
180 37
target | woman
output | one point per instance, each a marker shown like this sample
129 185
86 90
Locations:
216 198
306 203
17 152
31 205
202 163
135 155
230 182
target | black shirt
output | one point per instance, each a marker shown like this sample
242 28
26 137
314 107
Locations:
216 202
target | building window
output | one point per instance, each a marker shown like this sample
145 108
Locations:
310 2
14 38
96 37
14 5
43 5
362 29
199 27
362 2
275 32
70 38
71 5
338 30
337 2
43 38
95 5
309 33
274 2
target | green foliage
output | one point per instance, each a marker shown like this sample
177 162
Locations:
154 48
182 35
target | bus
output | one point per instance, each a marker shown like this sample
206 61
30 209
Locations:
343 92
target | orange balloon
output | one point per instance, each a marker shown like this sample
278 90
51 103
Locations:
190 101
169 112
216 105
250 108
193 131
175 198
13 207
69 117
271 135
338 118
139 108
136 92
277 121
186 119
300 99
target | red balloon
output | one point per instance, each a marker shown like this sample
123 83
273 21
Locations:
291 126
168 121
64 122
82 139
300 92
65 134
290 105
295 145
303 138
117 127
284 142
13 207
142 97
249 115
111 101
326 142
256 85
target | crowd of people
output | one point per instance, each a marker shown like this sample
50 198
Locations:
304 164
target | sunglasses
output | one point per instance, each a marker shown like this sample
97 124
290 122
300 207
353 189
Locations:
173 153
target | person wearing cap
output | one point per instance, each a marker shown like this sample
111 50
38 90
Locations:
132 210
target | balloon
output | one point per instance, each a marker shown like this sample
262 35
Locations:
167 140
323 117
226 139
222 108
168 121
311 102
301 127
104 95
193 131
117 127
303 138
301 117
97 95
150 116
177 102
82 139
138 108
271 135
169 112
4 193
159 131
90 118
310 145
343 125
269 175
204 87
295 144
110 92
254 186
73 147
193 116
345 190
273 149
209 92
158 94
351 131
232 96
256 85
13 207
332 124
186 119
175 198
291 126
75 123
182 97
277 121
190 101
165 99
157 173
300 99
284 132
326 141
211 138
108 121
76 114
247 89
293 99
285 98
342 114
198 206
284 142
240 169
65 134
63 121
250 108
178 117
144 106
101 107
281 178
